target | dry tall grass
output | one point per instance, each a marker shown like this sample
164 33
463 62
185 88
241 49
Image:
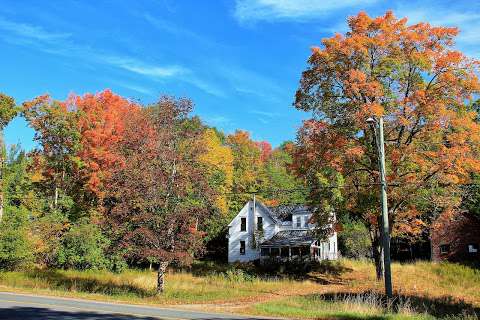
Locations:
338 290
420 279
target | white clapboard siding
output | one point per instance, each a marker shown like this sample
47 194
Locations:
270 228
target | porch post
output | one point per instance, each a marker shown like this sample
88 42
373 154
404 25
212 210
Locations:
289 253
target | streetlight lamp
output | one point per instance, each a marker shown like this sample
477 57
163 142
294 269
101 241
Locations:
377 127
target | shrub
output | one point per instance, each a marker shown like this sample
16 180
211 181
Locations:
117 264
354 240
15 248
83 247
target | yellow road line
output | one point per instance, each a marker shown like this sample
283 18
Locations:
93 310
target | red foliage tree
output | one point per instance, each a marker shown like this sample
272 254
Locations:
161 194
101 126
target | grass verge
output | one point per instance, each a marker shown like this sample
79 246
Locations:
340 290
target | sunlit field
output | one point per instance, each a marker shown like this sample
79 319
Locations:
345 290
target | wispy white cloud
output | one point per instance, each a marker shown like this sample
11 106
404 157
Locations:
218 120
139 67
206 86
269 10
169 27
217 78
247 82
32 32
184 33
265 113
40 39
133 87
466 19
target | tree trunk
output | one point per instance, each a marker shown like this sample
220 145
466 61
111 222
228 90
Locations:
55 198
377 252
162 267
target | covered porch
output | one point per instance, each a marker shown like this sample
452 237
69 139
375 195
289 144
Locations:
294 246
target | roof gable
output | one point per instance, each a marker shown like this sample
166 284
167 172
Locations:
279 215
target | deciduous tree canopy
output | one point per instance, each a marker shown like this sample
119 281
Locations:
424 88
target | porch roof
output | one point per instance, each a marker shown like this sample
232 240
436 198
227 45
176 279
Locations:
290 238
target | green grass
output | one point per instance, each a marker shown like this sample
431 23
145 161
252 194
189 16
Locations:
340 290
139 286
314 307
350 307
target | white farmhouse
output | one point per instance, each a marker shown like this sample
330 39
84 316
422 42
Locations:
281 233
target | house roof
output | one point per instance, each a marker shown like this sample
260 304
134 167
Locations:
282 214
290 238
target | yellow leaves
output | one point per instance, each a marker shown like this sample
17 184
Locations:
218 159
37 176
217 156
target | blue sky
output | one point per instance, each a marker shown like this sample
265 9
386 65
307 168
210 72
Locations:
239 61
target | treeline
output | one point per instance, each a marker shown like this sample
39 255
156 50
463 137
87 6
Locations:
113 183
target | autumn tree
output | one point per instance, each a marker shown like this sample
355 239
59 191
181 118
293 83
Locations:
247 168
8 111
56 131
218 159
53 168
101 119
413 77
281 186
161 194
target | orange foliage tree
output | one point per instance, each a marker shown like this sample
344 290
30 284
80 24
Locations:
413 77
101 126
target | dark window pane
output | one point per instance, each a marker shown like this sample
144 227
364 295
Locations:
243 226
265 252
259 223
284 252
274 252
444 248
242 247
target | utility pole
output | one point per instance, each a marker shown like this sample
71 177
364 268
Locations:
378 130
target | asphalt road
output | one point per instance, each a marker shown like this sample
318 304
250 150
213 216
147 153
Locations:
32 307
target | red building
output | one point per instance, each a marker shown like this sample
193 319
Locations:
456 237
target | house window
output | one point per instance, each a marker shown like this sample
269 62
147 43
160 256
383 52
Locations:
259 223
242 248
473 248
444 248
305 222
243 225
299 222
265 252
295 251
274 252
